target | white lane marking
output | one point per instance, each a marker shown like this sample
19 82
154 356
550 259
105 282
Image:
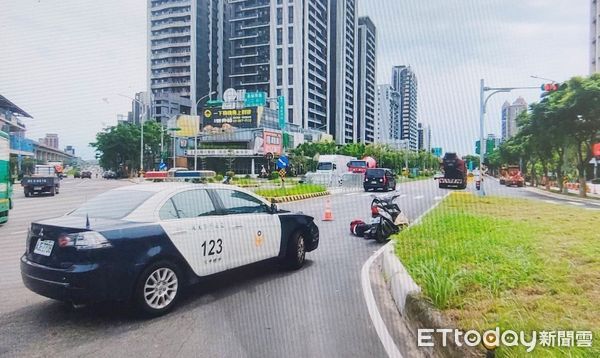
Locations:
438 198
18 232
350 194
419 197
402 196
550 201
384 335
575 203
597 204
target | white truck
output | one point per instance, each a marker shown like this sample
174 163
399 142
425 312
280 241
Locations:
330 169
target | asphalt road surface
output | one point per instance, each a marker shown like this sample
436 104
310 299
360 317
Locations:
256 311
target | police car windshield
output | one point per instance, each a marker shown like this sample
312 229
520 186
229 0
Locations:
110 205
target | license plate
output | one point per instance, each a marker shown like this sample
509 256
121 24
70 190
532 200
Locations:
373 182
37 188
44 247
375 220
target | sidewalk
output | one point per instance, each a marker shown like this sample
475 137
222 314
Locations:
591 199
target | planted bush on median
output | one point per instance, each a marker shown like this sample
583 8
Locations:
293 190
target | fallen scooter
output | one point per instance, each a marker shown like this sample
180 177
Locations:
386 220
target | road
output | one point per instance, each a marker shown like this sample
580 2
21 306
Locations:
257 311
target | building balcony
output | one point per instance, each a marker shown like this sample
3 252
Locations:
254 45
170 54
171 84
172 24
171 74
171 5
12 123
171 44
244 56
244 18
171 64
171 14
171 35
254 25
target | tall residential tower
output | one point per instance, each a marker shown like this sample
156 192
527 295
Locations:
404 81
342 86
367 69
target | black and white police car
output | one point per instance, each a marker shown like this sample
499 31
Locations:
144 243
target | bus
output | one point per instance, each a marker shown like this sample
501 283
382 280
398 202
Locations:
5 178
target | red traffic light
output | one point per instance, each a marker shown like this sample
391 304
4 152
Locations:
550 87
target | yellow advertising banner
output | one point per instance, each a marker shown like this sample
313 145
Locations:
189 125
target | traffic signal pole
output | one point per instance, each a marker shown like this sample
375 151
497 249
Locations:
483 100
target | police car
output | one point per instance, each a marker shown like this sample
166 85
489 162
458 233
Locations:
144 243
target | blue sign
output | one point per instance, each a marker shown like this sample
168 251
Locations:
162 166
281 109
470 165
437 151
255 99
283 162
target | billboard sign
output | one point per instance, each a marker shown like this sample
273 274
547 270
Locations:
220 152
437 151
281 109
236 118
189 125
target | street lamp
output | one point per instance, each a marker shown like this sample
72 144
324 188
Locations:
194 113
145 113
483 100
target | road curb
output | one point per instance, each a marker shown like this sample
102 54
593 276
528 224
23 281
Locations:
290 198
413 306
562 196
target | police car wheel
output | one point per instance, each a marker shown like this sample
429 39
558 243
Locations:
296 252
157 289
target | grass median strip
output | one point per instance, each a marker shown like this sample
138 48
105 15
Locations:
513 263
292 190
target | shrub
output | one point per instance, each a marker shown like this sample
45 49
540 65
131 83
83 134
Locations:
230 174
218 177
247 176
274 175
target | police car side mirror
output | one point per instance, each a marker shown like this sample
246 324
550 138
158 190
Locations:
273 208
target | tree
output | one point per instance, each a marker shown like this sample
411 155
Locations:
118 147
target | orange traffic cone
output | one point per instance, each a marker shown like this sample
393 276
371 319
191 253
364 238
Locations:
328 215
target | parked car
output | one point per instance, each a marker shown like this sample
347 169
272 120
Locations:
109 174
143 244
86 174
379 178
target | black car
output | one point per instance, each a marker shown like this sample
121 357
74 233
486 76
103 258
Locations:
144 243
109 174
86 174
379 178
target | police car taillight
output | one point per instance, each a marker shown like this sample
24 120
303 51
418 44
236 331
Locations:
86 240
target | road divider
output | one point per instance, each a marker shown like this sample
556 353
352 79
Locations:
290 198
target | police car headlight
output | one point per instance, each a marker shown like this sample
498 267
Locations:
86 240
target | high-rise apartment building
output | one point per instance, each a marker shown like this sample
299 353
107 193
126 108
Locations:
367 67
343 70
510 113
50 140
280 47
594 37
389 121
424 135
183 54
404 81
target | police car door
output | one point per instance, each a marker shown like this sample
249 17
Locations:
189 219
251 229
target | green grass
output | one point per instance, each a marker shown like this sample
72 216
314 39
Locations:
291 190
517 264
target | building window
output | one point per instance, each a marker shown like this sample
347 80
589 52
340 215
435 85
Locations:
290 35
290 14
291 96
290 55
290 115
279 16
279 77
279 2
290 77
279 36
279 57
278 92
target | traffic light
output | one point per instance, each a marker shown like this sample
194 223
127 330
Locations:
550 87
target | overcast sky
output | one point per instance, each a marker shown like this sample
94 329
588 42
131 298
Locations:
60 58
